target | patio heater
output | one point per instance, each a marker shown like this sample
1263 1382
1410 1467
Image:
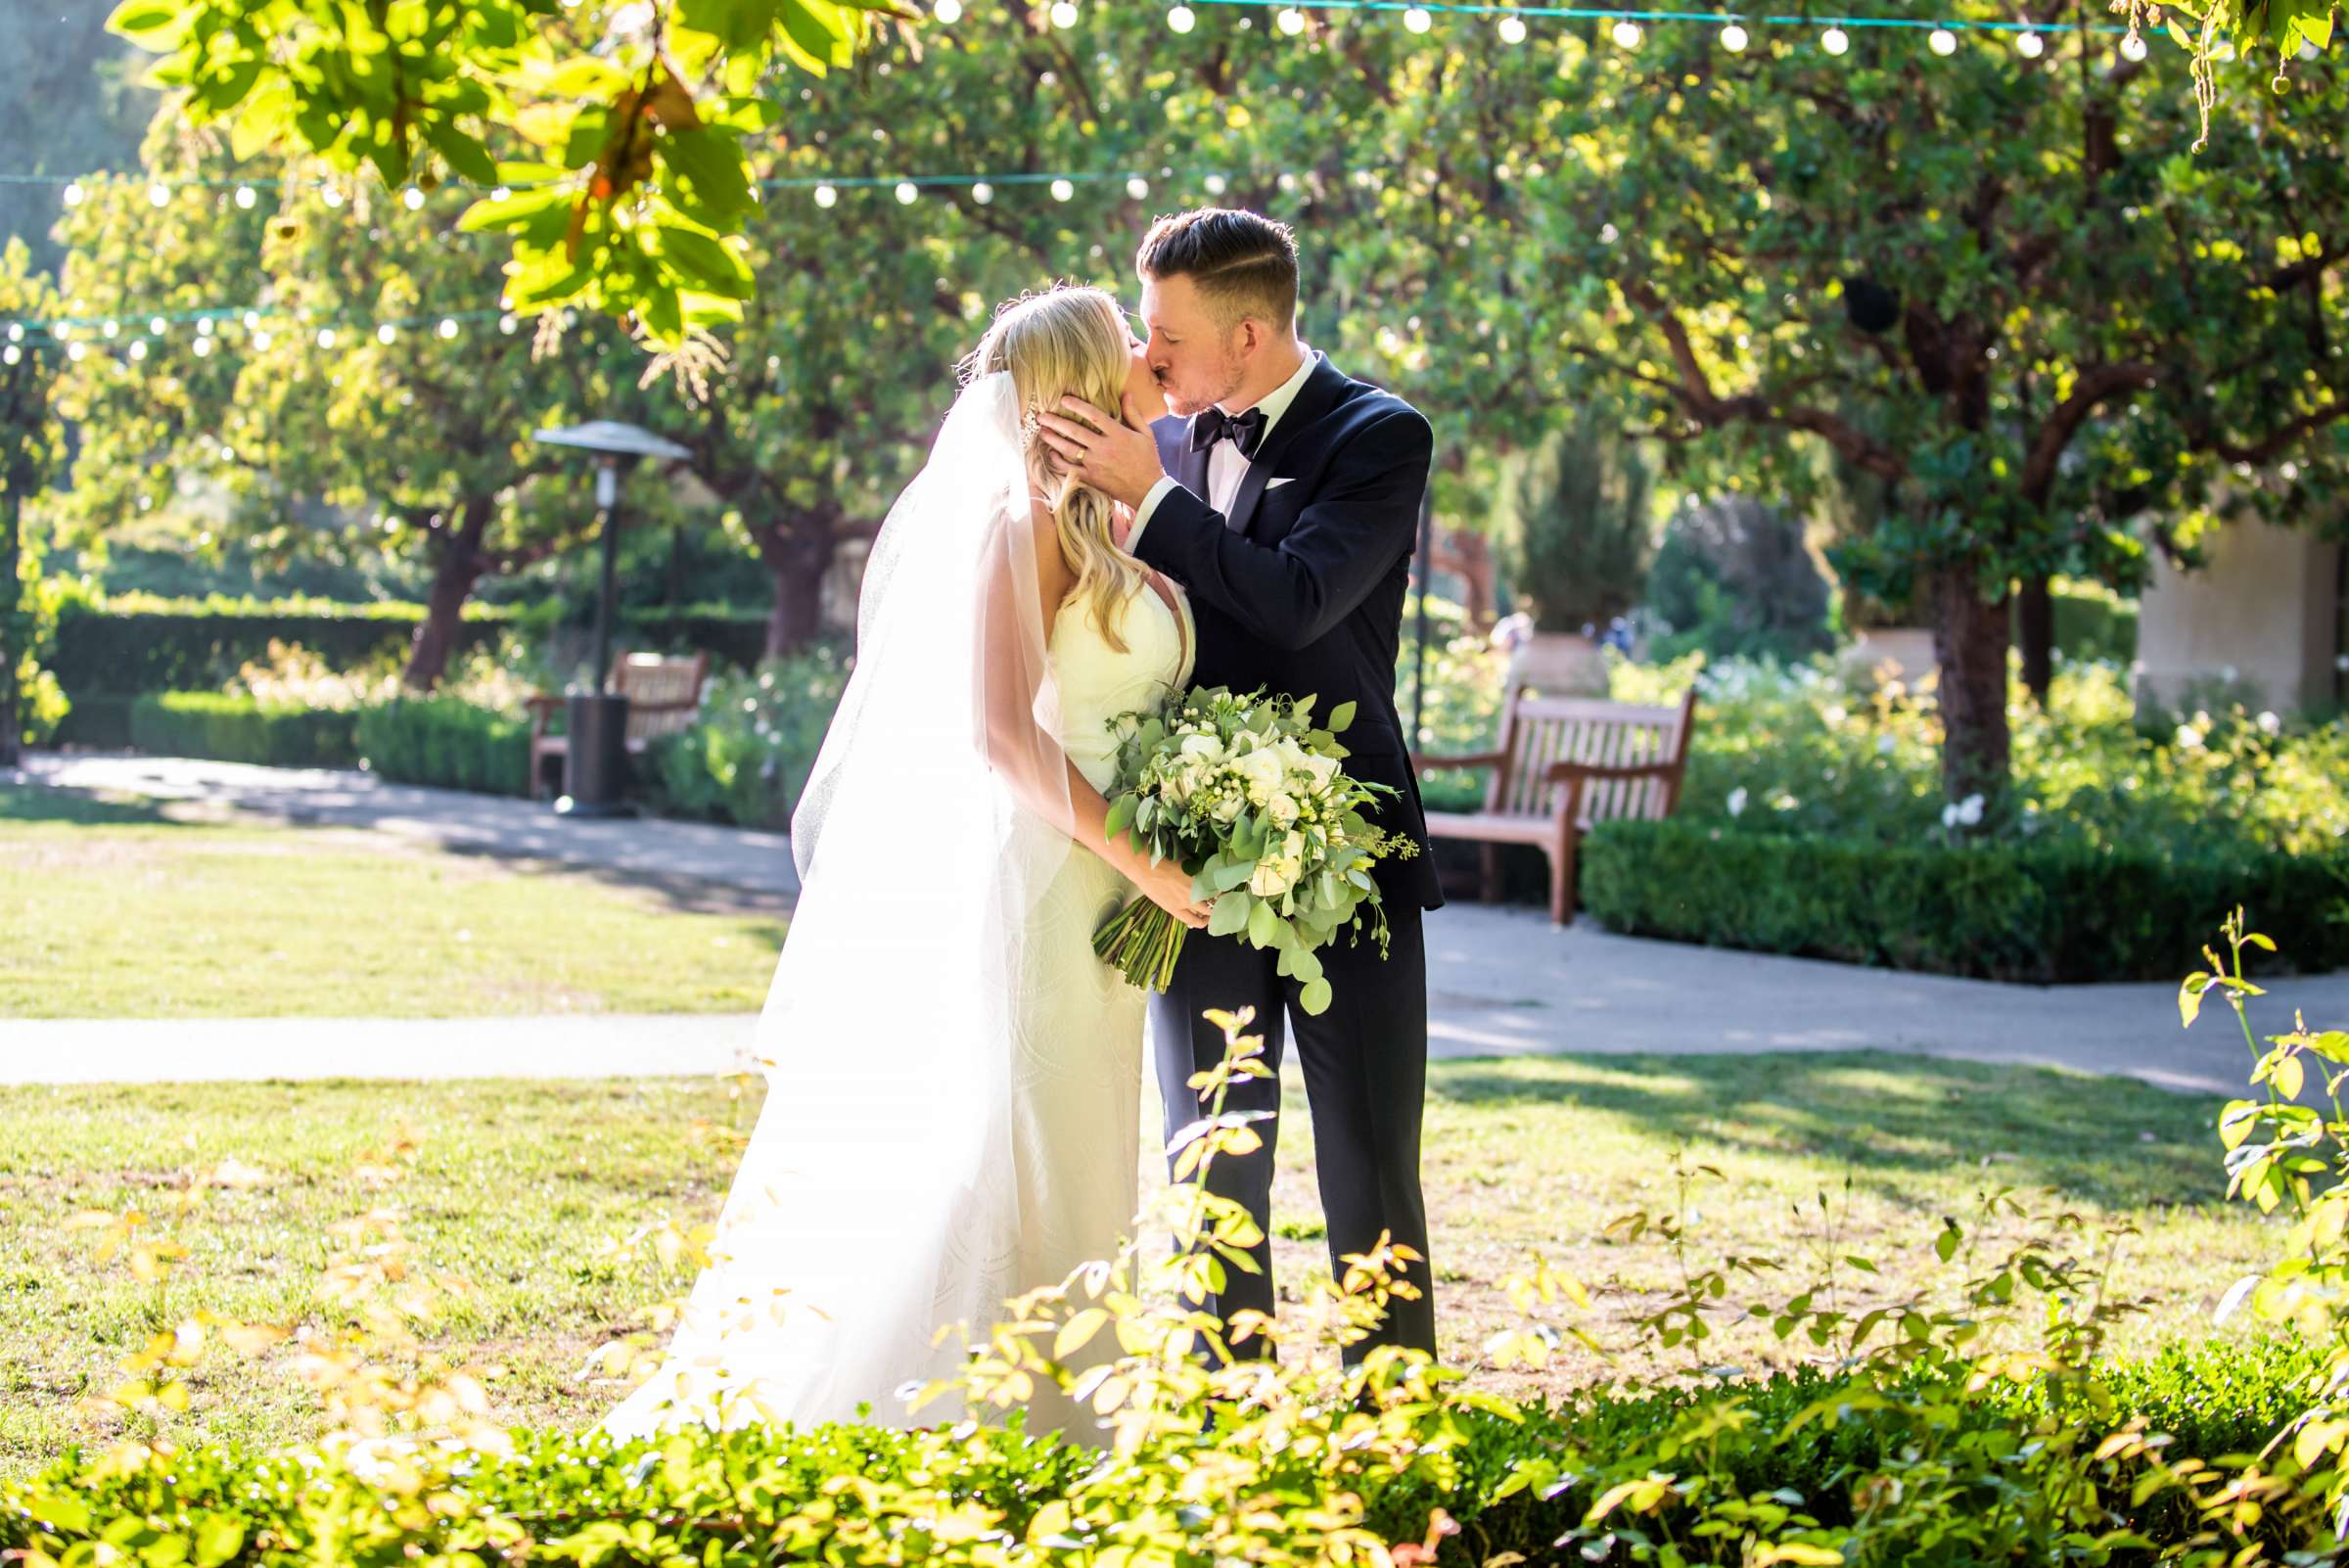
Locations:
595 757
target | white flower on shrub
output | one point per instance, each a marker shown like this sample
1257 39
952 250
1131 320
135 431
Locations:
2188 737
1738 801
2270 724
1280 810
1962 814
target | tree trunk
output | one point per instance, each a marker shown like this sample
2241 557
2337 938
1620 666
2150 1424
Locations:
1970 638
796 556
2035 632
461 565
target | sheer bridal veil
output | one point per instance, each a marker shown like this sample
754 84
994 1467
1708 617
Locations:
877 1199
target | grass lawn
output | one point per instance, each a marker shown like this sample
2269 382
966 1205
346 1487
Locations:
519 1187
126 911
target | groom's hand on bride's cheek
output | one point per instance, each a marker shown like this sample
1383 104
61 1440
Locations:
1114 458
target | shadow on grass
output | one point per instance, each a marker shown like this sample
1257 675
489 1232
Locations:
1884 1118
26 802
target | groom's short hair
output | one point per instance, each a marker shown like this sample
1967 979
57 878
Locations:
1243 263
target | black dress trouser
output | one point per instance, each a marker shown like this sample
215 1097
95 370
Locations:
1365 1063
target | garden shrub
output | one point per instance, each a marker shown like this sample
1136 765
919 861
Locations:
2051 912
1971 1417
745 759
446 743
234 729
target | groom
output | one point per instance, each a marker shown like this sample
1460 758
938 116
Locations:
1287 503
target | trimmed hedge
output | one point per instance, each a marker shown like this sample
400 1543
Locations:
2042 913
195 645
719 1500
240 729
142 645
447 743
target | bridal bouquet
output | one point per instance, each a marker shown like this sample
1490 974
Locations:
1249 799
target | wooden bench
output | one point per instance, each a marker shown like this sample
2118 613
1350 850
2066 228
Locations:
1562 765
665 696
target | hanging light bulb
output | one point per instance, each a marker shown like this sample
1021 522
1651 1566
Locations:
1064 14
107 329
1513 30
1417 20
1291 21
1138 188
253 319
11 354
202 347
260 339
74 193
506 324
330 196
983 193
204 326
386 333
949 12
825 196
326 337
155 326
1835 40
158 195
1183 19
244 197
1734 38
15 332
2132 47
1062 190
74 352
138 350
907 194
411 197
447 328
1943 41
1627 34
2030 45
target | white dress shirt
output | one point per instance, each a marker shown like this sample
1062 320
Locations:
1225 467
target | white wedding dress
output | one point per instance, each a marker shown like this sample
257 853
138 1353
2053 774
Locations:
952 1114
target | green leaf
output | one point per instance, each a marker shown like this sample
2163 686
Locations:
219 1538
1121 816
517 209
706 180
1341 719
1263 924
153 25
464 154
1315 999
703 262
1232 876
1230 915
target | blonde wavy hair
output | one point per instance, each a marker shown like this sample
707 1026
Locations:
1068 341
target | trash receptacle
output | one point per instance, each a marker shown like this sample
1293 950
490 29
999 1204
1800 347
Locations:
595 761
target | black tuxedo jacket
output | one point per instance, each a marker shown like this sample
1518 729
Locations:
1300 588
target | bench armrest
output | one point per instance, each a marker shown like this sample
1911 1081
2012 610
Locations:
1421 761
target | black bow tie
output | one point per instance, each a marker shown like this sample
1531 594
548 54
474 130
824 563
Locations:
1245 430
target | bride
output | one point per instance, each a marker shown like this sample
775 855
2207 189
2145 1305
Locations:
953 1078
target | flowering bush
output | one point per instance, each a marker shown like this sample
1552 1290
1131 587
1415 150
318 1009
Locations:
743 760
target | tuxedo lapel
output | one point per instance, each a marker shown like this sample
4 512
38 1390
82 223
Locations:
1190 466
1313 400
